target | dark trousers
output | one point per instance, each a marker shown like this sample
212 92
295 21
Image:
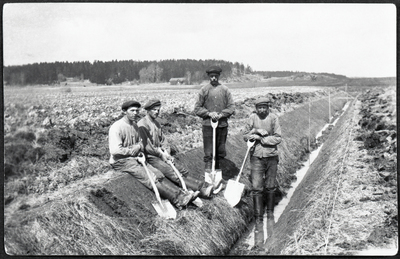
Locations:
220 152
263 173
131 166
166 169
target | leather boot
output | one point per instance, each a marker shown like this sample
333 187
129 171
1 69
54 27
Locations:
174 194
258 207
270 203
198 185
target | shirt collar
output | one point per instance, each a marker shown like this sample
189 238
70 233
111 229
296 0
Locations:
149 118
125 119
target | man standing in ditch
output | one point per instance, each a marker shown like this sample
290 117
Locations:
264 128
125 144
156 151
214 102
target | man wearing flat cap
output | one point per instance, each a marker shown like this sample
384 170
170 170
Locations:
156 151
264 128
125 145
214 102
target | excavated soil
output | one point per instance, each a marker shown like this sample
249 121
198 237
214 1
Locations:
124 199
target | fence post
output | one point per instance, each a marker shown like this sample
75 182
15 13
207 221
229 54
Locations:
329 121
309 131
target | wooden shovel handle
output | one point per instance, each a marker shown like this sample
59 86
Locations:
249 145
143 162
178 174
214 126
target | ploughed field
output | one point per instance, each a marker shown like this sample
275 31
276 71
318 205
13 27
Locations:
62 198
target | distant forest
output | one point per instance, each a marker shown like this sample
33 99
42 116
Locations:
188 71
115 72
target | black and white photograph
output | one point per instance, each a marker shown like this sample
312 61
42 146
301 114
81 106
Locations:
200 129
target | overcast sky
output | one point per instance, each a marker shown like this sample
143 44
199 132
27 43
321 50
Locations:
349 39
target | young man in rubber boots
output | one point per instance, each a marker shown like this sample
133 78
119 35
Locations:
125 144
154 143
214 102
263 127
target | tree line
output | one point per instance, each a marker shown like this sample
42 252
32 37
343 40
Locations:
115 72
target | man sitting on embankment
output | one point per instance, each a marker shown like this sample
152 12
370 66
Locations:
125 145
155 146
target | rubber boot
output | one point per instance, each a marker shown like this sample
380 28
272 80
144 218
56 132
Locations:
195 184
174 194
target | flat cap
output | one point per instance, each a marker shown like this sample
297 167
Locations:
151 104
263 100
214 70
129 104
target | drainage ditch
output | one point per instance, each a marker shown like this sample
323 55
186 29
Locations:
252 235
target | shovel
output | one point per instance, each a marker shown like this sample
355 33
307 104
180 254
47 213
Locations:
198 202
164 208
234 189
214 177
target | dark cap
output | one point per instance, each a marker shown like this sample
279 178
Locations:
263 100
128 104
214 70
151 104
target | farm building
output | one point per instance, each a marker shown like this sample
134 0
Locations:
177 81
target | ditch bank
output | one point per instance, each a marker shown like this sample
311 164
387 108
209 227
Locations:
213 229
314 181
343 205
114 216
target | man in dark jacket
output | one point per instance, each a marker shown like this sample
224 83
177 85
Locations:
214 102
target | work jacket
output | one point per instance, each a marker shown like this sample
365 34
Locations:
124 140
267 146
152 136
214 99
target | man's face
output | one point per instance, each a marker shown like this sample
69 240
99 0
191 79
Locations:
262 109
154 112
132 113
214 78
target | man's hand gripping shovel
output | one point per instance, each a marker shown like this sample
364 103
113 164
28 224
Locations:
164 208
215 176
234 189
198 202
